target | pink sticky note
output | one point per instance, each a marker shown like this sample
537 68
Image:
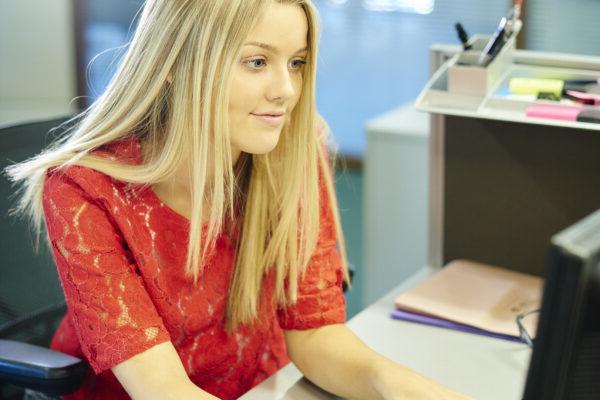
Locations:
565 113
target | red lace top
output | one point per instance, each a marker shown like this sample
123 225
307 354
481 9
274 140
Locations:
120 254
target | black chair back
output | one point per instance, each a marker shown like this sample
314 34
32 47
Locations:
31 298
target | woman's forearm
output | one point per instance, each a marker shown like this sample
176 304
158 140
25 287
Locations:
188 391
335 359
158 374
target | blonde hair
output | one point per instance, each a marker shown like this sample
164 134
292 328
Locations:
172 92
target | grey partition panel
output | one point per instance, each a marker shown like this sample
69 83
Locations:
510 186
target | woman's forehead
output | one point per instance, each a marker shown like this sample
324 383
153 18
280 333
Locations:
282 28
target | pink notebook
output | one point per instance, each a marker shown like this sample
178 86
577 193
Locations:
560 112
479 295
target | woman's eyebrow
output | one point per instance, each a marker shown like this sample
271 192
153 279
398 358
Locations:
272 49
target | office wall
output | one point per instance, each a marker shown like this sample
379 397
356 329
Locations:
564 26
37 59
370 62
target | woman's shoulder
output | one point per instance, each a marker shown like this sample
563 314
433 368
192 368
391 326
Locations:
96 183
127 150
323 130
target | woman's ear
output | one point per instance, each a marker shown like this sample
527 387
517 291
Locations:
170 78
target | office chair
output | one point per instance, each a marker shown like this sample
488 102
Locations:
31 298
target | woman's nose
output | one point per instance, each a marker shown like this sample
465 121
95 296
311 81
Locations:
282 86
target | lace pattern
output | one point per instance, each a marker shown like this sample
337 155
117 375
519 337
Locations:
120 253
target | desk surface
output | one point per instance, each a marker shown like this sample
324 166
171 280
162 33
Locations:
482 367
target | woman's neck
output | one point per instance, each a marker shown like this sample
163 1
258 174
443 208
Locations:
181 179
176 191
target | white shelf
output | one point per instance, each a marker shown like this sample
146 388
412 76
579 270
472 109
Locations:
435 97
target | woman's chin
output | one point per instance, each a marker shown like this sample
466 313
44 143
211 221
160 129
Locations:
263 149
262 145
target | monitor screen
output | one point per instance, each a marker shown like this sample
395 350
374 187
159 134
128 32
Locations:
565 362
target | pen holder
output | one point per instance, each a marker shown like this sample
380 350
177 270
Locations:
466 76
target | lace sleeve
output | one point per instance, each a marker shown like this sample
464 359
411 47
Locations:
113 314
320 295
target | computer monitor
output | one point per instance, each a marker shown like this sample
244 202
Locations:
565 362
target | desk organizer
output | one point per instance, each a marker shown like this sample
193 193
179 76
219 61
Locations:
477 92
465 76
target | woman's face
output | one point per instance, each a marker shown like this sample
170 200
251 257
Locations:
267 80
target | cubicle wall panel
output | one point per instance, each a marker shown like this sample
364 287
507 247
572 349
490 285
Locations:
28 281
510 186
395 223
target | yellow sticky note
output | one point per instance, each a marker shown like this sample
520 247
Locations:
536 86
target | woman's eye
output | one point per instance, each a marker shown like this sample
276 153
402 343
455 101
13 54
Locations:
297 64
256 63
260 63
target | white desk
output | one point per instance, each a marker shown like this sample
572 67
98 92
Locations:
485 368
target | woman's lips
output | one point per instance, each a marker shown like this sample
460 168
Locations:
271 120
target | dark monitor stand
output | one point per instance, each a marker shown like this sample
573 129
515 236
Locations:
565 363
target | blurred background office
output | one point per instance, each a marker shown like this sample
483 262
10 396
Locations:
57 56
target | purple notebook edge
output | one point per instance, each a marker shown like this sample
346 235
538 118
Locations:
442 323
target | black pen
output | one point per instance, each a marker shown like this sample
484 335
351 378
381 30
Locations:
582 82
463 36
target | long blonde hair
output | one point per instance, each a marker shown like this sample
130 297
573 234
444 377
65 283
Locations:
172 92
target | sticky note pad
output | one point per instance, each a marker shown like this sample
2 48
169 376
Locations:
536 86
564 113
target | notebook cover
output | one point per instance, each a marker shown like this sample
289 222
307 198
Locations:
442 323
477 295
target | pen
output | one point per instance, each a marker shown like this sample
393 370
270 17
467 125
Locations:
582 97
462 35
493 44
582 82
513 15
504 31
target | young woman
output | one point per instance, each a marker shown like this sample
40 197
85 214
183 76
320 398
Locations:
192 216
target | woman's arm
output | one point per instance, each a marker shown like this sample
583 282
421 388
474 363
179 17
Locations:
158 373
334 358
